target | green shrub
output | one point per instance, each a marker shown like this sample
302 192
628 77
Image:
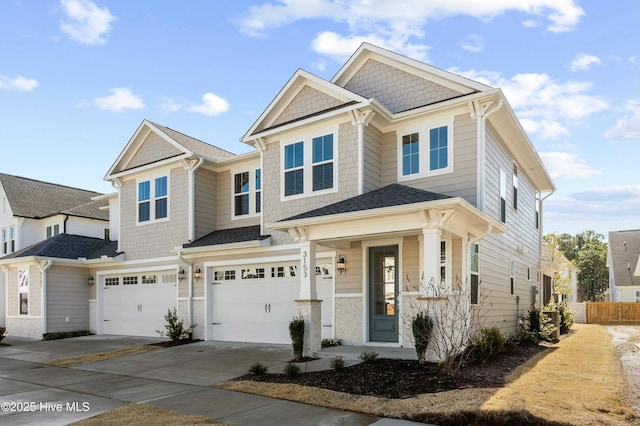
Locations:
487 344
65 335
567 316
422 327
3 332
258 369
291 370
327 343
368 356
337 363
540 325
175 329
296 331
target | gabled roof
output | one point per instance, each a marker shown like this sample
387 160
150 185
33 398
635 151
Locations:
229 236
301 79
67 246
178 146
624 248
35 199
388 196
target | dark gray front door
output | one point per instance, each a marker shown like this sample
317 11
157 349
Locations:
383 294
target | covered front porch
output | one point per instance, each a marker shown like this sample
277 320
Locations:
395 247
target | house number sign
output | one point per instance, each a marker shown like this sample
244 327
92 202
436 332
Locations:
305 267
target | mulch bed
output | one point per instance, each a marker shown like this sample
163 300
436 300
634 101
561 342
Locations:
392 378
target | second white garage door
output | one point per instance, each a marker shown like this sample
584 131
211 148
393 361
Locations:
135 304
255 303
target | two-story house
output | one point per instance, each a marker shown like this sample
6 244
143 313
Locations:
623 261
395 181
33 211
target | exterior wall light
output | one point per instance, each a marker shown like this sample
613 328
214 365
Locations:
91 280
197 274
181 274
341 265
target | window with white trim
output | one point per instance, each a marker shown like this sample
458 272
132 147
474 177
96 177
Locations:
475 276
247 193
503 196
4 241
537 218
153 199
512 278
309 165
515 186
425 151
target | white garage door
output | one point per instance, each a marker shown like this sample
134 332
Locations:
255 303
135 304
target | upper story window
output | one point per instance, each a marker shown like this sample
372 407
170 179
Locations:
503 196
309 166
425 151
52 231
515 186
153 199
12 238
475 277
247 193
4 241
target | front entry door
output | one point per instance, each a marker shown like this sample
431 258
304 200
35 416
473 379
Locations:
383 294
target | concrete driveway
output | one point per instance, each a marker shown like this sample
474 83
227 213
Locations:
177 378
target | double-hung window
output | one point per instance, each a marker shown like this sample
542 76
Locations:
309 165
515 186
247 193
294 169
425 150
153 199
475 277
4 241
322 162
503 196
12 236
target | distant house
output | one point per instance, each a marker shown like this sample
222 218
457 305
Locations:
623 255
393 182
33 211
559 277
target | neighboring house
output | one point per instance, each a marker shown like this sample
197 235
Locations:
391 183
33 211
559 276
623 260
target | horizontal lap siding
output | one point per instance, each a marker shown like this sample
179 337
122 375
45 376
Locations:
67 297
224 209
497 251
205 202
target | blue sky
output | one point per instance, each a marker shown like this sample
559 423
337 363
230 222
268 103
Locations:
77 77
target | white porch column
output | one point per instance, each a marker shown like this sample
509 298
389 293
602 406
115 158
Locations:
309 307
431 261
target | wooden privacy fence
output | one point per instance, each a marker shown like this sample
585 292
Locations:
621 313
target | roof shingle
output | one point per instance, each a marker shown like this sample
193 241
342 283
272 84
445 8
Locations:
68 246
229 236
625 250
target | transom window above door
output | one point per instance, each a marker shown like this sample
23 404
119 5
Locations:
425 150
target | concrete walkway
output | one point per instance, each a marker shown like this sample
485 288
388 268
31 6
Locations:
177 378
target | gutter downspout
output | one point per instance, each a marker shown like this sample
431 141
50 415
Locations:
117 183
43 294
64 224
482 116
192 165
6 294
190 294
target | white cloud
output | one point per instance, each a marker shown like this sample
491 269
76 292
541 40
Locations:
18 83
605 202
627 127
120 98
171 105
211 105
86 22
474 43
583 62
392 23
566 165
543 103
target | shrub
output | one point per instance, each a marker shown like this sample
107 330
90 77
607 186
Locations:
3 332
422 327
327 343
296 331
487 344
175 329
65 335
368 356
291 370
258 369
567 316
540 325
337 363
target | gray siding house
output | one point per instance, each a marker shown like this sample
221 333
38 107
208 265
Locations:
392 183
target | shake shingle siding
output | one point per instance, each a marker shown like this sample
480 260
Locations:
205 202
372 158
309 101
152 150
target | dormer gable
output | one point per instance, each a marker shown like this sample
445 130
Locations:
305 97
153 144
